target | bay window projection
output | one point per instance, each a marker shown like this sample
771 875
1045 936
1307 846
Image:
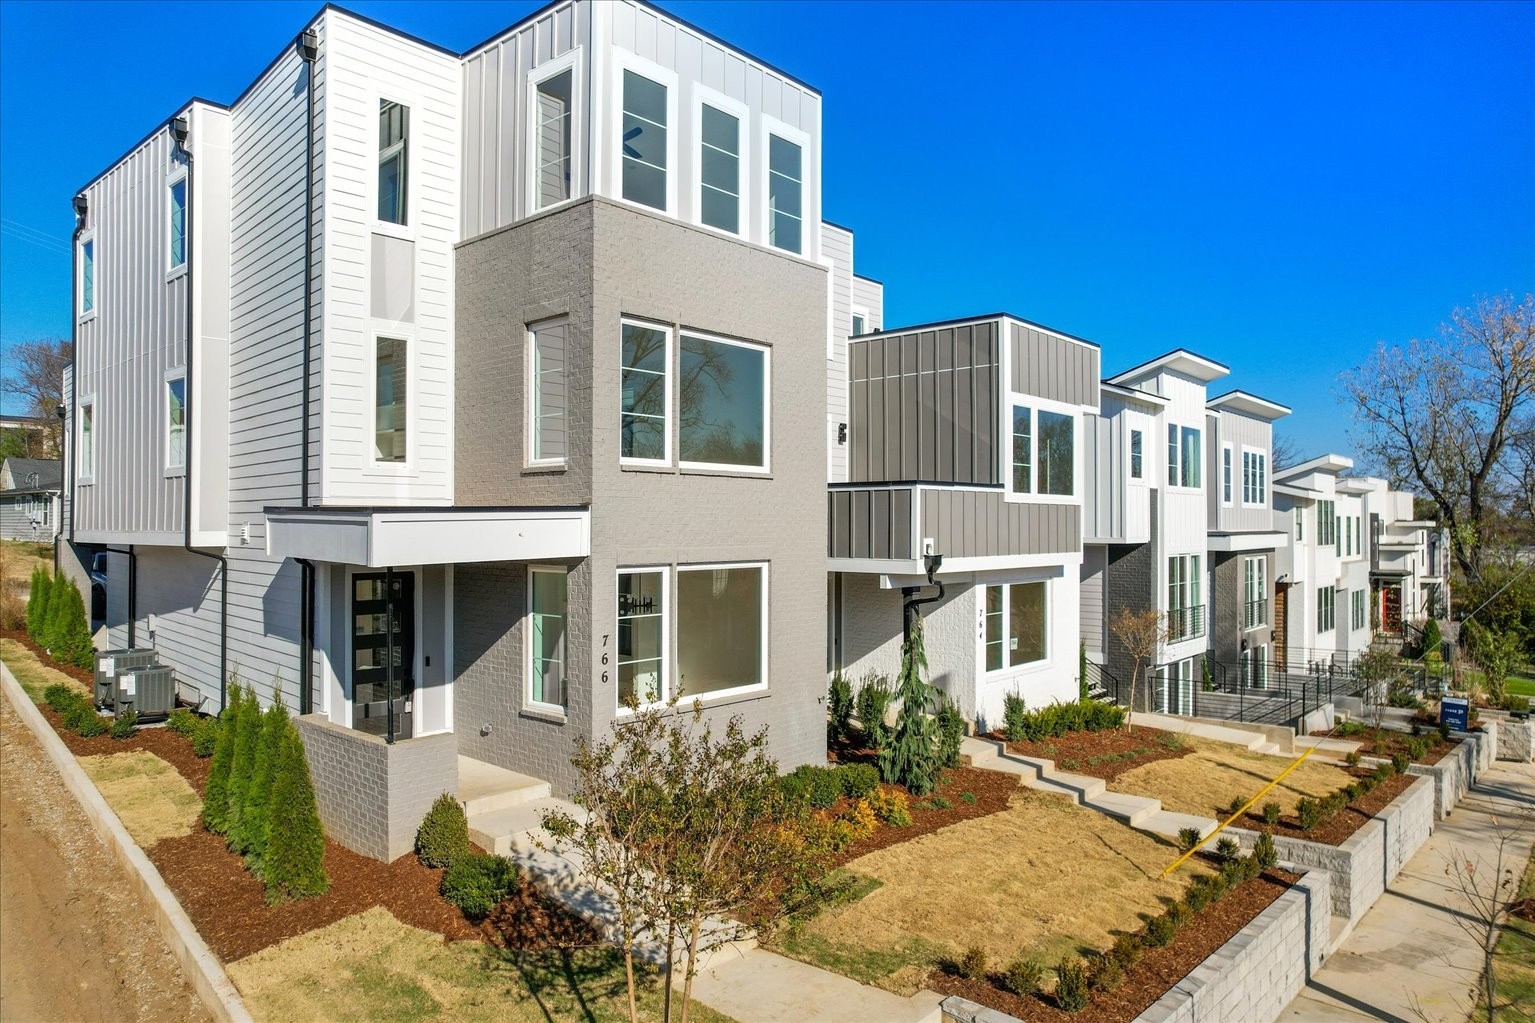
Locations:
548 407
1136 464
722 403
785 192
720 170
393 160
1255 585
1016 623
720 629
176 422
178 224
643 141
1185 608
641 647
389 400
552 140
643 427
1325 596
547 616
1044 446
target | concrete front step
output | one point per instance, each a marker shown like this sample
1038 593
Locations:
1170 823
1133 810
516 828
484 788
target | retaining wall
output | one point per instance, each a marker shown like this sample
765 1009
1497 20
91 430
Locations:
1371 857
1251 978
1452 777
1486 742
1516 740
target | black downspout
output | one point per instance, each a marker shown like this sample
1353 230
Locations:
67 415
308 51
189 409
910 601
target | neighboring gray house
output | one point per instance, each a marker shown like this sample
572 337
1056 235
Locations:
29 498
540 431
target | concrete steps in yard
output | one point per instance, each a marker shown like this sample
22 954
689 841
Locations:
483 788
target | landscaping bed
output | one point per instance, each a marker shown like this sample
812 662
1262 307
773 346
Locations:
1386 743
80 675
1105 754
1341 825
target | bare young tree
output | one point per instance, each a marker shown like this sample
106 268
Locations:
1142 634
1440 415
34 375
1285 452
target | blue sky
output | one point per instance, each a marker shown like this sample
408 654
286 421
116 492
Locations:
1277 186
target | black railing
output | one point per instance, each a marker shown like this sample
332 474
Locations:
1257 613
1185 623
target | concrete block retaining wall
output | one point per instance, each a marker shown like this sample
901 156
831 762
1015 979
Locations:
371 794
1252 977
1486 742
1516 740
1452 777
1371 857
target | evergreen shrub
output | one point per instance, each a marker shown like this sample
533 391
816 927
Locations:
443 837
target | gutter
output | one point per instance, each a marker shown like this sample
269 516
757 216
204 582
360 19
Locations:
307 46
189 407
67 414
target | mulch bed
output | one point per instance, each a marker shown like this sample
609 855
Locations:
1106 754
78 674
162 742
1153 975
1337 828
1384 743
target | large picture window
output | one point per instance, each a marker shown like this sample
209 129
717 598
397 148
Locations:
1254 477
390 407
547 615
643 141
643 432
722 417
176 422
1016 625
547 386
393 160
1044 446
721 627
719 161
641 654
551 139
785 189
1183 465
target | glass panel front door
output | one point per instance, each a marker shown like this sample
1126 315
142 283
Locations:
383 636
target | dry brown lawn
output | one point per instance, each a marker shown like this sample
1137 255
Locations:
1040 878
17 562
148 795
1206 781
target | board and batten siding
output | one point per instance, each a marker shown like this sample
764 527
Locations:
1238 430
924 405
387 281
870 523
1094 569
837 252
1052 367
876 523
496 132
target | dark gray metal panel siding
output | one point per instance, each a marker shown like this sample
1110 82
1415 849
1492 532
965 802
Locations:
982 524
1052 367
924 405
874 523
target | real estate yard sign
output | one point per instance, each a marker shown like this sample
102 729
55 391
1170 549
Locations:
1455 711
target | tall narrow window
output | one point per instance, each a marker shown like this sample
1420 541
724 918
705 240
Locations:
1255 571
1023 449
549 401
785 188
178 223
720 629
1189 470
720 170
1185 608
393 160
391 384
546 621
858 325
1136 467
87 468
643 409
552 140
1056 452
87 276
1300 524
1226 473
1016 625
995 627
175 422
722 403
641 644
1172 455
644 141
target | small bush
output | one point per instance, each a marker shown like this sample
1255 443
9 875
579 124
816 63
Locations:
1400 762
1272 812
951 733
874 698
81 718
1023 977
1352 758
1309 812
891 806
1014 715
1179 914
206 739
1350 792
972 964
1382 771
1196 897
1071 985
839 702
1235 807
1170 740
1233 873
940 803
858 780
819 786
476 883
1106 974
1444 731
1227 848
124 724
1127 949
1188 838
860 819
1348 729
1160 931
1264 853
1366 784
183 722
443 837
1217 887
61 697
967 797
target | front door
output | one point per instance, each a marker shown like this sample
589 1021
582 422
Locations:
1281 624
383 652
1391 607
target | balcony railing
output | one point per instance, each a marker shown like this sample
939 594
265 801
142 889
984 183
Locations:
1257 615
1185 623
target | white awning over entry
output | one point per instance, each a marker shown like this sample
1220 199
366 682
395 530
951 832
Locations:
383 537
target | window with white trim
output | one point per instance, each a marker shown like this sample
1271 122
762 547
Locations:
1016 625
553 100
1183 457
785 193
643 141
1044 451
1185 608
1023 449
547 392
87 276
1136 464
1326 524
391 382
1357 609
87 469
176 422
721 629
1255 587
548 613
1254 477
644 427
719 163
1225 473
1325 619
1300 524
722 417
858 324
178 222
393 161
641 646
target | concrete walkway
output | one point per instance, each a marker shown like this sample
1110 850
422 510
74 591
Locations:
1407 959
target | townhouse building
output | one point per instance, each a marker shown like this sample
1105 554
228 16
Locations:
1321 597
460 399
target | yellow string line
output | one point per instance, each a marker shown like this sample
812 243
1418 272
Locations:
1222 826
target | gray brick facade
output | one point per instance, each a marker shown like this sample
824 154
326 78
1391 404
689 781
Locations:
1228 586
1129 583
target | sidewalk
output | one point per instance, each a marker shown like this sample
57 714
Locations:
1407 959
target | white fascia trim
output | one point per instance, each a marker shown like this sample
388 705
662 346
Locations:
1236 543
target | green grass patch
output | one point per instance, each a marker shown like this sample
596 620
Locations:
894 969
1514 963
33 674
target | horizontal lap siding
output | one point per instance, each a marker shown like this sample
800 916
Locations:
837 247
